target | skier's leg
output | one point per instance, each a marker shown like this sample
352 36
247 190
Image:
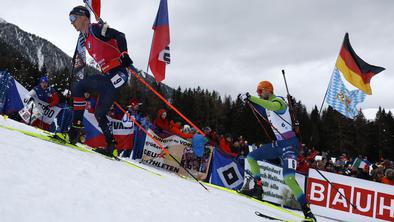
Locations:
89 84
268 151
289 163
109 93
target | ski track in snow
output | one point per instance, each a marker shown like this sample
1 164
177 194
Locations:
42 181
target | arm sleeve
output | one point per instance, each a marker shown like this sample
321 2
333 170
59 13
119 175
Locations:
110 33
275 104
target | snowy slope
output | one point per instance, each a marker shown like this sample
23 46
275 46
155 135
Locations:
42 181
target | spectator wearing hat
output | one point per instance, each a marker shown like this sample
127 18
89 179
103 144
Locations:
133 110
162 124
133 113
43 92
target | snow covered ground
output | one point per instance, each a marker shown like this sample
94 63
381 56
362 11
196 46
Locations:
43 181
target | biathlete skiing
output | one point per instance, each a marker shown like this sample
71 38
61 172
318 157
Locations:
285 147
108 47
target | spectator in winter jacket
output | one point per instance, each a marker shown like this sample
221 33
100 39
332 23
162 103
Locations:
389 177
162 124
43 92
213 138
244 147
176 128
225 144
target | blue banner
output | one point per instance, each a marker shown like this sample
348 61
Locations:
227 171
14 95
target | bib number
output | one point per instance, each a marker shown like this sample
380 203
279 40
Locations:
117 81
291 164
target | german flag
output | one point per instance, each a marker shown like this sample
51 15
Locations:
354 69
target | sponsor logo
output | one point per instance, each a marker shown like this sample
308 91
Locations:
368 202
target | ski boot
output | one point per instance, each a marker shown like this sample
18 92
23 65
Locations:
110 150
75 132
309 217
257 190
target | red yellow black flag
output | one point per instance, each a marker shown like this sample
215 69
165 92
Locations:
355 70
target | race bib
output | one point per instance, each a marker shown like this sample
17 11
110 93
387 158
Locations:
291 164
117 81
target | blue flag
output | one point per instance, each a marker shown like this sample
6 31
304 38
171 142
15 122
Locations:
13 94
227 171
341 99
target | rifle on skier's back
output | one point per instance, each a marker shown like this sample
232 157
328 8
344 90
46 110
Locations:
294 122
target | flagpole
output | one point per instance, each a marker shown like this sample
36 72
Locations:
325 95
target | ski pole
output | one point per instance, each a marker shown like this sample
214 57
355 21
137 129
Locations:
31 112
165 101
158 143
260 123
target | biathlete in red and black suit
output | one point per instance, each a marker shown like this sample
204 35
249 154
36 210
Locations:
108 48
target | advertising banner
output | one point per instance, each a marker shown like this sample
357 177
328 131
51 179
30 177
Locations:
374 201
182 151
275 189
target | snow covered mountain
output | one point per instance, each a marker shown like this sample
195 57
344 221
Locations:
39 52
35 49
43 181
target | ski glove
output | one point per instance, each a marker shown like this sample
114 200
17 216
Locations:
245 96
125 59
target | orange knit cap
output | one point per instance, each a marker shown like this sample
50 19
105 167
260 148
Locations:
265 85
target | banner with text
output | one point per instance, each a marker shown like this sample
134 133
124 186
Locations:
275 188
181 150
374 201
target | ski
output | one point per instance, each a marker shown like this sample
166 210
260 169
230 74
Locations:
268 217
100 151
50 137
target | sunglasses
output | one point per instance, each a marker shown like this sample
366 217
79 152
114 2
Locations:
72 18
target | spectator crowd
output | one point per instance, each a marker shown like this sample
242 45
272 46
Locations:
381 171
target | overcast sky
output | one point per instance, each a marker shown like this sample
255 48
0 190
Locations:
229 46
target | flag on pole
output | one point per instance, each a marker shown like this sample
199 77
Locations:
160 50
359 163
341 99
355 70
94 5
